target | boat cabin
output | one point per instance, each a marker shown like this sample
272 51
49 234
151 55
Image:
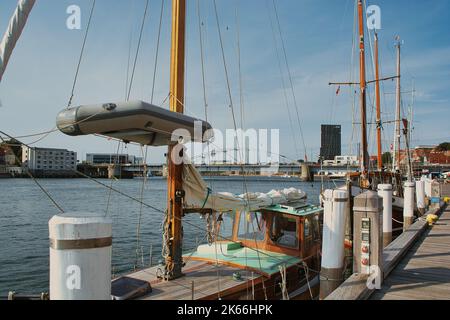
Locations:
263 241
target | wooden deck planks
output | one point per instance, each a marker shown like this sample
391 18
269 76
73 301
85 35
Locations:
424 272
205 278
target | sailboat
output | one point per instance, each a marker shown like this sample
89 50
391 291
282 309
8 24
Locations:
260 246
367 179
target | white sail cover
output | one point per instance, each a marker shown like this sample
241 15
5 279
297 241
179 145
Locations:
199 196
12 34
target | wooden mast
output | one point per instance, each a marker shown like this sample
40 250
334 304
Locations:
363 86
174 262
377 89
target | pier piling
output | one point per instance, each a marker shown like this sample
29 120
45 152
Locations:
420 195
385 192
408 208
332 273
80 257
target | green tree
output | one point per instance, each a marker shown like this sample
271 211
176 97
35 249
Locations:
444 146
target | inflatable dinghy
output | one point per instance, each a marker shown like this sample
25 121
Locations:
134 121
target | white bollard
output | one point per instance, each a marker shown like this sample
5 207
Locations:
80 257
331 276
385 192
408 209
420 194
427 186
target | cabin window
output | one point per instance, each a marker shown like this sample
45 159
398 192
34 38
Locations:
284 231
252 226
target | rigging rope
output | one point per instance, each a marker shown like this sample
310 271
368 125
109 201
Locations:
285 90
138 49
290 79
69 104
157 50
144 182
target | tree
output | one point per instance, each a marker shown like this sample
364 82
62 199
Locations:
444 147
15 147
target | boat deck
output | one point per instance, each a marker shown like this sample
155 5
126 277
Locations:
202 281
424 273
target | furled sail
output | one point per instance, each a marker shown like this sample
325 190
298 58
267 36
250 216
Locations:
199 196
12 34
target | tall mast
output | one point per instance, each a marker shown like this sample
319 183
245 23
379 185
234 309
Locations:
174 261
377 89
397 141
363 85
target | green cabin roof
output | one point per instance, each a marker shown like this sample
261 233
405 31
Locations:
300 209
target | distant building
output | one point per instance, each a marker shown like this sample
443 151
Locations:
426 155
2 156
49 160
331 142
104 158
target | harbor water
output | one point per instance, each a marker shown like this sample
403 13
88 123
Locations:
25 212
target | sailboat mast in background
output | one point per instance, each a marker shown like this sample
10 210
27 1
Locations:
378 98
363 86
397 142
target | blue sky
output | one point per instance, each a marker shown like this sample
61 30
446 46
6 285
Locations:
318 37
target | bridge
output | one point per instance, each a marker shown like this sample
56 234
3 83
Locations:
238 169
224 169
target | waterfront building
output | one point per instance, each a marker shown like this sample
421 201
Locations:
331 142
107 158
45 159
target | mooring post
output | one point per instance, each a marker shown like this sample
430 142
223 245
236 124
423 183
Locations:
349 232
151 255
435 195
306 173
385 192
80 256
368 239
408 206
333 250
420 195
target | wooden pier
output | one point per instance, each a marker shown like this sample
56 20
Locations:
424 273
416 265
